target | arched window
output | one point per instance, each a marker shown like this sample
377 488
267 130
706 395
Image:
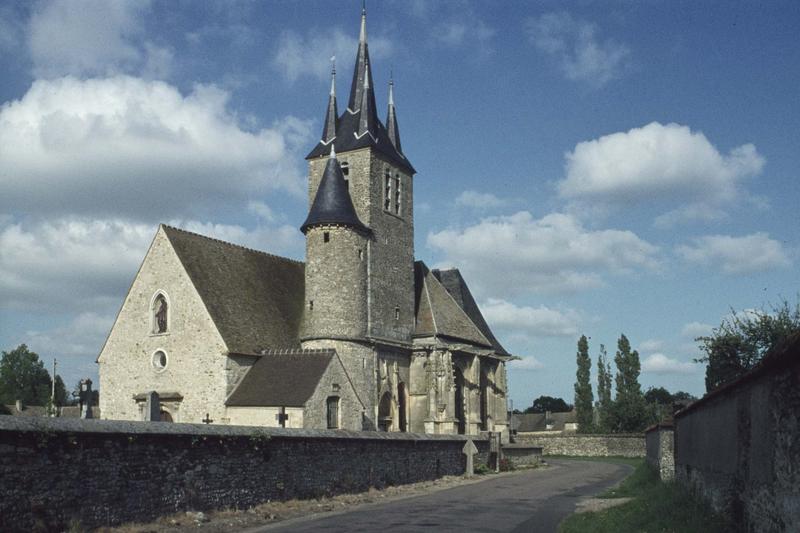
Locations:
160 314
332 404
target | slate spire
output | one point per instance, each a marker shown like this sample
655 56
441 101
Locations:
391 119
332 204
329 130
367 118
361 72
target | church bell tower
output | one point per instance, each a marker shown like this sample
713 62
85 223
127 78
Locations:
360 231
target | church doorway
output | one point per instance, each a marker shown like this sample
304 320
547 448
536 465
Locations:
401 401
385 412
165 416
460 414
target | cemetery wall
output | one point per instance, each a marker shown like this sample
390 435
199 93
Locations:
617 445
57 473
660 440
739 447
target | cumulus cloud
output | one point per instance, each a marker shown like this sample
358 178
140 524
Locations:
508 254
93 38
692 330
81 265
658 363
539 321
574 43
465 29
756 252
651 345
309 55
659 163
526 363
128 146
478 200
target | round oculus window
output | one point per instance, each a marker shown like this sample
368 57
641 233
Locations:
159 361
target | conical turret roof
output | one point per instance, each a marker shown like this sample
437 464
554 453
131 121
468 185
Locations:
392 130
332 205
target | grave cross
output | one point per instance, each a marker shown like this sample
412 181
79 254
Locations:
207 419
469 450
282 417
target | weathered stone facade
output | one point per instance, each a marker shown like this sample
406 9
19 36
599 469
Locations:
197 367
60 472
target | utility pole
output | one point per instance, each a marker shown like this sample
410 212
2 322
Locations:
53 391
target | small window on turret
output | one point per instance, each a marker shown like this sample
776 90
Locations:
345 169
397 313
326 236
361 254
311 305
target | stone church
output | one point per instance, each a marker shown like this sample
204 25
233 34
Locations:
359 337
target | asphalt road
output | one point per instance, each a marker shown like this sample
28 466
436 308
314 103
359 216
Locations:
523 502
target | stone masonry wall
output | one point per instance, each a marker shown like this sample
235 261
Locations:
586 445
96 472
660 450
196 365
739 448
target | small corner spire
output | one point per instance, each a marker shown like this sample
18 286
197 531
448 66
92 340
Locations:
391 118
329 130
333 151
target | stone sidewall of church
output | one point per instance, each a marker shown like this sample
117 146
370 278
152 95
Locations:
60 472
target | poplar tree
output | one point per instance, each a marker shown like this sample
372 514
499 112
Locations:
604 389
583 388
630 413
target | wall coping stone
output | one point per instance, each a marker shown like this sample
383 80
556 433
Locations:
559 435
76 425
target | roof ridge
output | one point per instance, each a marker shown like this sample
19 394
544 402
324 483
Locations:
231 244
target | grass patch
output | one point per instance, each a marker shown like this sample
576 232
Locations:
656 507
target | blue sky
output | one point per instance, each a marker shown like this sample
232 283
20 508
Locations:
591 167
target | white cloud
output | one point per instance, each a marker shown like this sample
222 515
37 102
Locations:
478 200
125 146
526 363
575 45
692 330
91 38
736 255
530 321
82 265
651 345
658 363
309 55
507 254
466 29
658 163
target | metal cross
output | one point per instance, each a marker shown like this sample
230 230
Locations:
282 417
207 419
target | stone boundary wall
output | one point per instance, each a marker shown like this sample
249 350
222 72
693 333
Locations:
615 445
739 447
54 472
660 442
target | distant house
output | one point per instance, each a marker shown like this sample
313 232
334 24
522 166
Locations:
545 422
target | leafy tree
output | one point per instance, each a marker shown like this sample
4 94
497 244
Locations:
543 404
742 340
604 403
23 377
658 395
583 388
681 396
629 412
